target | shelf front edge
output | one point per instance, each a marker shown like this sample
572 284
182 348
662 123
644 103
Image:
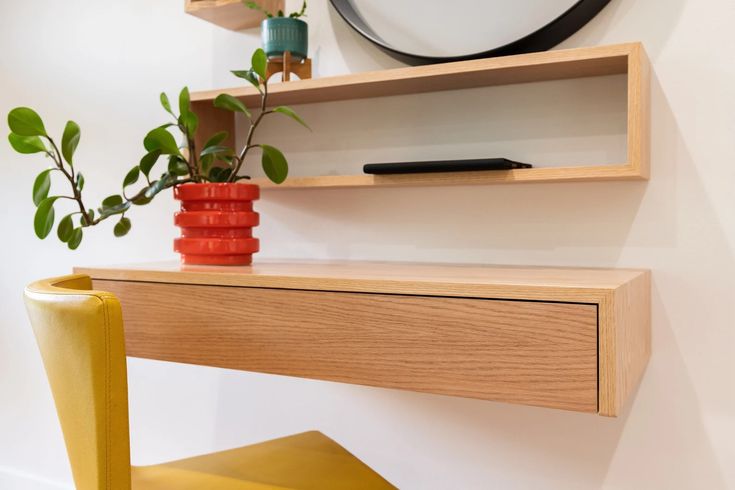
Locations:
523 68
461 287
520 176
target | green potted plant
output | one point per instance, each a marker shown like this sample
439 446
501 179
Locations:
216 217
281 32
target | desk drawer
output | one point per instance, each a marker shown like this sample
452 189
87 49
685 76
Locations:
533 353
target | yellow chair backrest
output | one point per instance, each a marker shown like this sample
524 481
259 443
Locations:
80 335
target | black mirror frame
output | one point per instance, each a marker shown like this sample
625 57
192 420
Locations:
542 39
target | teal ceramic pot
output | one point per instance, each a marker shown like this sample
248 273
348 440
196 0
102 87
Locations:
281 34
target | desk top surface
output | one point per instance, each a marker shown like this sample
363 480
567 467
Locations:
470 280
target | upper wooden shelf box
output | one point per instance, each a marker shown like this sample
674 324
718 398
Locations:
230 14
629 59
576 339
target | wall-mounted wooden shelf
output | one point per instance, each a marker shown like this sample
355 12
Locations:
549 174
570 338
629 59
230 14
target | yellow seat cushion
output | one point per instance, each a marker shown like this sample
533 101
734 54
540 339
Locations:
307 461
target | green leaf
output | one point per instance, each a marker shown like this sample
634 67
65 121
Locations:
191 122
65 228
141 199
254 6
43 221
205 162
148 161
216 139
184 101
70 141
161 140
250 76
41 187
122 227
80 181
132 177
166 104
220 174
90 213
259 62
177 166
226 157
214 150
274 164
300 13
290 113
116 209
111 201
75 239
26 144
227 101
24 121
158 186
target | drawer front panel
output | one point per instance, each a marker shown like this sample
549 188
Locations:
532 353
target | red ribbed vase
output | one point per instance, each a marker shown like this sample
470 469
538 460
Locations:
216 222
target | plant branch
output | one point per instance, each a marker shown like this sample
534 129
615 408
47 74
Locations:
77 197
140 195
70 176
191 159
251 132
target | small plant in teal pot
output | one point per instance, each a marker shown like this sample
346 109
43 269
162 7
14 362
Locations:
281 33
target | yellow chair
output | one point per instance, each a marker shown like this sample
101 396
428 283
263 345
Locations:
80 335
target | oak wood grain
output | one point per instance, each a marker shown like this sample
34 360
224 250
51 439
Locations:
621 296
532 353
638 124
231 14
532 67
211 121
586 173
627 59
568 284
625 342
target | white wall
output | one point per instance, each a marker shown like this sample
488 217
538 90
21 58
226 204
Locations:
103 64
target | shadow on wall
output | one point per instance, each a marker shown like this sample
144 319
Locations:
548 123
644 448
661 441
656 19
566 123
359 52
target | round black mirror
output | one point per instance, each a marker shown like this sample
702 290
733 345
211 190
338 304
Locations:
418 32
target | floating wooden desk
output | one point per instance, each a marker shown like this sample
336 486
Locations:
576 339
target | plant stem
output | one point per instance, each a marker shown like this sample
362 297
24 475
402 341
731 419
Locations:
77 197
70 176
251 132
192 161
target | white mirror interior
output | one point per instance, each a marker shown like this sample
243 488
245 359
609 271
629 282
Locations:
430 28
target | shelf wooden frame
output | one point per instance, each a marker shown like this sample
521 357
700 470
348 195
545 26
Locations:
230 14
569 338
629 59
